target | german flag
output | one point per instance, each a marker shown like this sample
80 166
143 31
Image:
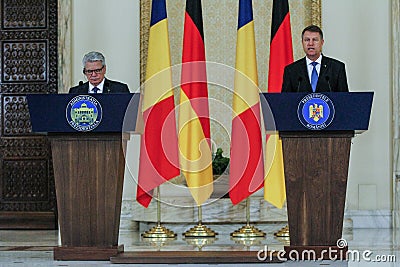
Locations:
281 54
194 123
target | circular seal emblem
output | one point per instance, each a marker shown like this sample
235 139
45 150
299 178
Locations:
84 113
316 111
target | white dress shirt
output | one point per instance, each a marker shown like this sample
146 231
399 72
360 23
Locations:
100 86
310 66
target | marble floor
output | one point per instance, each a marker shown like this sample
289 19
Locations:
369 247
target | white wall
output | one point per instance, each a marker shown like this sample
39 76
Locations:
111 27
358 33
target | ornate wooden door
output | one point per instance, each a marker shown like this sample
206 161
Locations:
28 58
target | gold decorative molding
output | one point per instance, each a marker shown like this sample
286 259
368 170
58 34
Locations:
145 12
316 12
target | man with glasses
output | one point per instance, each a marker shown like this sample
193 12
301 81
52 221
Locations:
94 68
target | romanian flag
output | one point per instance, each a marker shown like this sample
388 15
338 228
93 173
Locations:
159 143
281 54
194 123
247 164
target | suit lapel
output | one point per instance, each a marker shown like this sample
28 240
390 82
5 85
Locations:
324 68
304 74
322 73
107 86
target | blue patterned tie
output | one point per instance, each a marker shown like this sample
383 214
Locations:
314 76
95 90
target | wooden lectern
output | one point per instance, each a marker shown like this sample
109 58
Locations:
88 142
316 132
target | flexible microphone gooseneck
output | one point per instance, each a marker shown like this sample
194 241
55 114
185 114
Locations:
329 84
299 80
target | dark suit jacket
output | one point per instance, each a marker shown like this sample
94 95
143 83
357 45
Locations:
332 77
110 87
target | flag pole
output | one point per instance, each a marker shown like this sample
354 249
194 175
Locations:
199 230
248 231
159 231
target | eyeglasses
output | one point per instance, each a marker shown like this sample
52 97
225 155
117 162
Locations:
90 72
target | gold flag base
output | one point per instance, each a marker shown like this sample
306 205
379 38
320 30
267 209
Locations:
160 232
199 230
248 231
284 232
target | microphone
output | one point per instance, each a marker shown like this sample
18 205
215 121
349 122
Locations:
299 80
329 84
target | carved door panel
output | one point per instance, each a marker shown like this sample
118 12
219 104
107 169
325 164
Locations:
28 58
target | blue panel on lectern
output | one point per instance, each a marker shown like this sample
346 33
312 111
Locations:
63 113
317 111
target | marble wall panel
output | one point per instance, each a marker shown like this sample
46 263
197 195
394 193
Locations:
396 115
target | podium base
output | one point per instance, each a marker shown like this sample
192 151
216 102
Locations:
86 253
295 253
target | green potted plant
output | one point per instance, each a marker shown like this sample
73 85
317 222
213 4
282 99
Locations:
219 163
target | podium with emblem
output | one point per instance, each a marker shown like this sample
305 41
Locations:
88 136
316 132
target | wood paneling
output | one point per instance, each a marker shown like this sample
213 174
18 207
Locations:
89 175
28 64
316 169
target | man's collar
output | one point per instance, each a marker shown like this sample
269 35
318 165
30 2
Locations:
319 60
100 86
